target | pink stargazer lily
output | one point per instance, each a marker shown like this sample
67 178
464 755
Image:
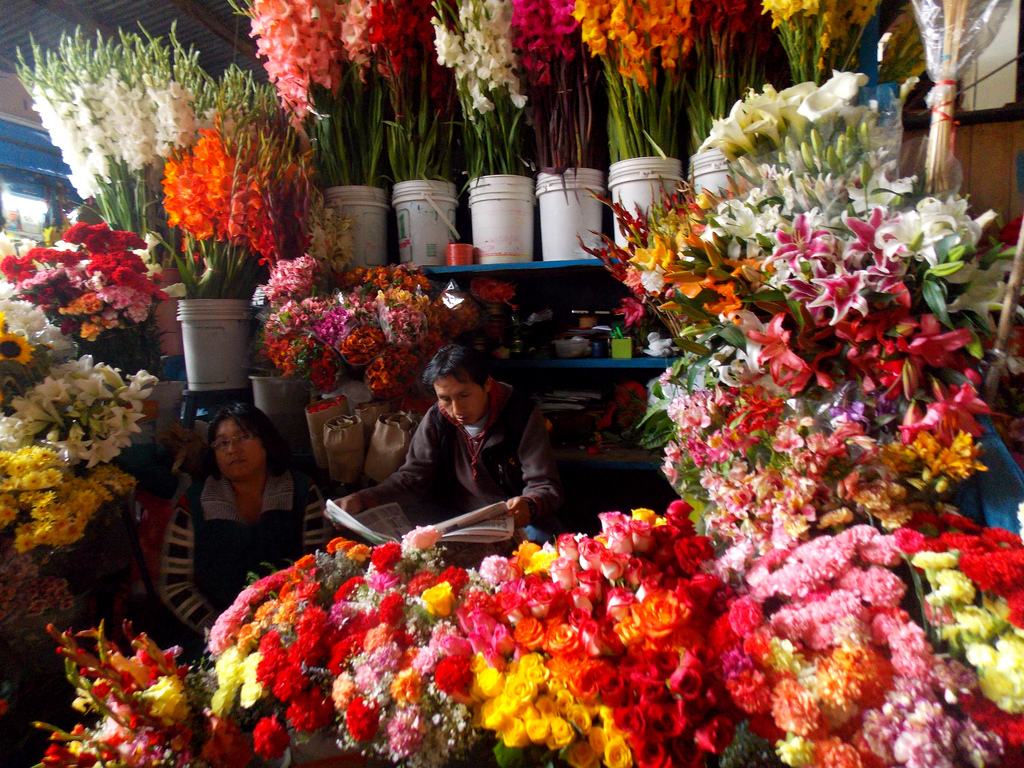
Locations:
841 293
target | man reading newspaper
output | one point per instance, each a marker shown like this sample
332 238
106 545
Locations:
481 443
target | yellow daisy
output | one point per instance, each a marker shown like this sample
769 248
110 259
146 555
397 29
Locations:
16 348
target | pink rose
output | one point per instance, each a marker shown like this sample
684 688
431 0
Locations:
563 572
578 615
471 621
608 519
541 596
513 606
453 645
643 538
502 642
423 537
618 602
613 566
592 584
590 554
568 547
620 539
581 600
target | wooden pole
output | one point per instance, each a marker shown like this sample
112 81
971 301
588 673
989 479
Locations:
1010 300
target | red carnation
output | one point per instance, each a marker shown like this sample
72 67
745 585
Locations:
289 682
457 577
346 589
454 675
909 541
272 658
420 583
311 634
362 719
344 650
745 616
391 609
270 738
310 711
386 556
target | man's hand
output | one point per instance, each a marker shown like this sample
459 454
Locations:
520 508
351 504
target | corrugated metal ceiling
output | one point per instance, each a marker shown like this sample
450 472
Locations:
217 32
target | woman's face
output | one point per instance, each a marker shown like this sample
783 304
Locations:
240 454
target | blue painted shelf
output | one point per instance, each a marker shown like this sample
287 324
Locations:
524 266
655 363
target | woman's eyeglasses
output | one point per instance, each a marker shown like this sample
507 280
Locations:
223 445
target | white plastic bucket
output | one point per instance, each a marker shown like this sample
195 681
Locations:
368 209
709 170
639 181
216 335
501 209
284 400
569 212
426 221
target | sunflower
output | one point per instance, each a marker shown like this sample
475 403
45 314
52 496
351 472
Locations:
16 348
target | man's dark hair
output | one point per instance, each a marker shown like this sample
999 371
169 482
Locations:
459 362
250 419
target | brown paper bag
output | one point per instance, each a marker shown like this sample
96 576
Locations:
390 443
318 414
346 448
368 414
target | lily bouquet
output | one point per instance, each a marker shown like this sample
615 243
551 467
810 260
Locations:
97 290
475 39
318 55
240 197
561 82
644 46
422 91
117 109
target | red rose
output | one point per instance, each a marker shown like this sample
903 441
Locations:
678 516
685 753
454 675
652 754
632 721
667 720
715 736
310 711
346 589
270 738
687 681
392 607
691 552
386 556
362 719
614 691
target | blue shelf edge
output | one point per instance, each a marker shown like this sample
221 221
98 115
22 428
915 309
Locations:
655 363
514 267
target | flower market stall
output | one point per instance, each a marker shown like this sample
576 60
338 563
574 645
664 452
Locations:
819 314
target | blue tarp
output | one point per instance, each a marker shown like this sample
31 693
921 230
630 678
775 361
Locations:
993 497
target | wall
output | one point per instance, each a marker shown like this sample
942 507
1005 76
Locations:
15 103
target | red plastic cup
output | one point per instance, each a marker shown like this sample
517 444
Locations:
460 254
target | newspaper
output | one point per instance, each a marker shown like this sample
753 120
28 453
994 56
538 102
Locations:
388 522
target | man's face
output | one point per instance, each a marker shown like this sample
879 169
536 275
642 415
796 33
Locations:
465 401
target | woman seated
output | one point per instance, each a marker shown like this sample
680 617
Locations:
250 515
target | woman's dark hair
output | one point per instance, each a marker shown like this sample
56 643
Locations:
459 362
250 419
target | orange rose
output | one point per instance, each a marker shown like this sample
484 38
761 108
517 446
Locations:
663 614
529 633
561 640
631 629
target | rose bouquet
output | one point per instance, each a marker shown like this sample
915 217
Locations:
421 90
601 650
820 37
97 290
355 643
117 109
820 656
643 47
561 82
318 56
151 712
475 39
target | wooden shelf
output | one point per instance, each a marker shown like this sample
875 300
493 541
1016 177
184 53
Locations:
609 458
652 363
519 267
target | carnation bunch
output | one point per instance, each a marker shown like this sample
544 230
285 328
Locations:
354 642
820 656
475 39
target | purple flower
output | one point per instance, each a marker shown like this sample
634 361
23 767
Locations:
850 412
979 747
735 662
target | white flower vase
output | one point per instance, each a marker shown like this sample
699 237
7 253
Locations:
637 182
570 214
368 208
425 211
216 335
501 209
709 171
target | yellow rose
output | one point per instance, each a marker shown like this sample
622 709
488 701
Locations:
538 729
536 674
439 599
645 515
488 683
541 561
520 689
514 734
563 700
491 717
580 717
166 700
617 754
582 755
479 664
598 740
546 706
507 705
561 735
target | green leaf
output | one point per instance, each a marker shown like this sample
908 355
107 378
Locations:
945 270
695 369
692 346
975 347
935 295
764 296
509 757
943 247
